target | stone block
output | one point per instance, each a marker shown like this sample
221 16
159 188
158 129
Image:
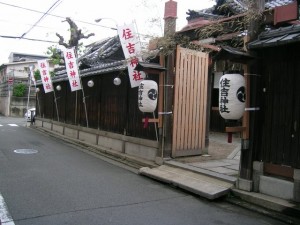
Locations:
47 125
111 143
296 185
72 133
87 137
144 152
58 129
258 170
276 187
258 166
245 185
296 174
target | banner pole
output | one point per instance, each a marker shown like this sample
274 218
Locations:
28 96
83 100
55 101
83 95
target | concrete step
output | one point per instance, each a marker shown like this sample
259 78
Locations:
196 183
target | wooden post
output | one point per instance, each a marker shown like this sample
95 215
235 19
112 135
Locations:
170 17
246 151
168 106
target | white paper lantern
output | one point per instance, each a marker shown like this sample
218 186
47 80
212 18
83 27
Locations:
232 96
117 81
90 83
147 96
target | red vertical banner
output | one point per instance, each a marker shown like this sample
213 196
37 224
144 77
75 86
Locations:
45 75
132 50
72 69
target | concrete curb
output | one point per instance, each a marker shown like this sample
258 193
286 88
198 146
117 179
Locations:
276 208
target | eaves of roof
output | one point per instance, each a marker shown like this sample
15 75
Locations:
96 70
281 36
234 55
144 66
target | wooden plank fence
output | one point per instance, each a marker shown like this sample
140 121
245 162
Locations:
190 102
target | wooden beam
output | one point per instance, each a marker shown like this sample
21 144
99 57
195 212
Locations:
151 120
278 170
234 129
226 37
209 46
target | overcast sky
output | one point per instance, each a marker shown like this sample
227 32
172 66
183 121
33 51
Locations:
18 17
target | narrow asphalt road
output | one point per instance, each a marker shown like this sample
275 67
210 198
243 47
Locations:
44 180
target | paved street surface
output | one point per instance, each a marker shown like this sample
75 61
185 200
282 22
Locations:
44 181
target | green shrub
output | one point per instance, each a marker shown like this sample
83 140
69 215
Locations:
37 75
19 90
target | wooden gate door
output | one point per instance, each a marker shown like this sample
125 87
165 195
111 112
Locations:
190 102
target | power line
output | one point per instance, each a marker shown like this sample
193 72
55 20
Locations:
43 16
49 14
30 39
62 17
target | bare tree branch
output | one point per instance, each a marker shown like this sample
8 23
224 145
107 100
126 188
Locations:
75 35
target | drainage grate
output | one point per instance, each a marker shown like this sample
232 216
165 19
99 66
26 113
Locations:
25 151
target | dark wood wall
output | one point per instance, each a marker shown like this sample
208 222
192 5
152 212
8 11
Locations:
276 126
109 107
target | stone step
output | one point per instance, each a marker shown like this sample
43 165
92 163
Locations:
219 176
196 183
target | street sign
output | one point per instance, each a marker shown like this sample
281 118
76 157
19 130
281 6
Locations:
10 81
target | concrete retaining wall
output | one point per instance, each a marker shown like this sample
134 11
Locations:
15 106
4 102
141 148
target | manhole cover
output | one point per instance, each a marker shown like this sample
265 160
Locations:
25 151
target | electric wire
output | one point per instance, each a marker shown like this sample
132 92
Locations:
62 17
43 16
30 39
49 14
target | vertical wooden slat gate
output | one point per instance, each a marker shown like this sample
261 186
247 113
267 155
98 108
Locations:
190 102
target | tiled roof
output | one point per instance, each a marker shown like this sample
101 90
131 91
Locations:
102 57
100 69
275 3
102 52
235 7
